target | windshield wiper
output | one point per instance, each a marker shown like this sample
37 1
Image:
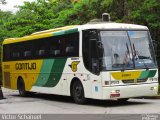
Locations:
143 57
126 57
139 57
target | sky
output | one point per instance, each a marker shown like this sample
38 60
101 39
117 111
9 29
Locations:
11 3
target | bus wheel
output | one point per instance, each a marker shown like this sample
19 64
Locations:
21 88
78 93
123 100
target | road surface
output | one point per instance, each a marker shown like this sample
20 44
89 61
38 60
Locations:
53 104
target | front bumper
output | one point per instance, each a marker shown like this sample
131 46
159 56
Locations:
129 91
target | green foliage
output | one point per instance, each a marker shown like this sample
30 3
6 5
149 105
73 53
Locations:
148 14
4 18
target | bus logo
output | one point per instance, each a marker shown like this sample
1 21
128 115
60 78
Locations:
25 66
74 65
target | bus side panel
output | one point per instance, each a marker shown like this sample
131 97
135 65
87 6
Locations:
6 81
27 70
52 79
91 83
73 68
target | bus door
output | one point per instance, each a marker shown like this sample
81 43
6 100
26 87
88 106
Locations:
95 52
92 54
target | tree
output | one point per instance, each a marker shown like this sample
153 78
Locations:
148 14
4 17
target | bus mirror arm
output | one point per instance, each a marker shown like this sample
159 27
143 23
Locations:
99 44
96 66
155 46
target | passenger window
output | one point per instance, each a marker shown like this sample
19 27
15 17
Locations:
16 54
57 52
27 54
69 49
41 52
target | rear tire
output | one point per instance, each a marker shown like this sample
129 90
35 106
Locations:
78 93
21 88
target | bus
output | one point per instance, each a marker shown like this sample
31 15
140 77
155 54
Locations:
98 60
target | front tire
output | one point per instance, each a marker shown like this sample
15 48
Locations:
78 93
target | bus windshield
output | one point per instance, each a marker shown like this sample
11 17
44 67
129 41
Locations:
127 50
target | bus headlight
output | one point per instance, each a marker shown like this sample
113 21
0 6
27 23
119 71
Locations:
153 88
114 82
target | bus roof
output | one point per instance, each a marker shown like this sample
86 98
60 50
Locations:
75 28
43 34
113 26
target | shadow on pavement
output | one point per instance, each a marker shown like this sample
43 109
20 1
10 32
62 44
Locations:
90 102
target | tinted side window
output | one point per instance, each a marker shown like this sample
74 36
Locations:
50 47
90 51
85 47
72 45
6 52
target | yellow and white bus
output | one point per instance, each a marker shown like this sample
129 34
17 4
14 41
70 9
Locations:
98 60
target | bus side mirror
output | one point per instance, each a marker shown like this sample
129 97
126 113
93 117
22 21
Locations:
99 44
100 49
155 46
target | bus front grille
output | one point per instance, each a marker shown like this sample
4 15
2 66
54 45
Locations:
134 81
128 81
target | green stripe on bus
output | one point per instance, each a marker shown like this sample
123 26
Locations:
152 73
147 74
56 72
144 74
66 32
45 72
